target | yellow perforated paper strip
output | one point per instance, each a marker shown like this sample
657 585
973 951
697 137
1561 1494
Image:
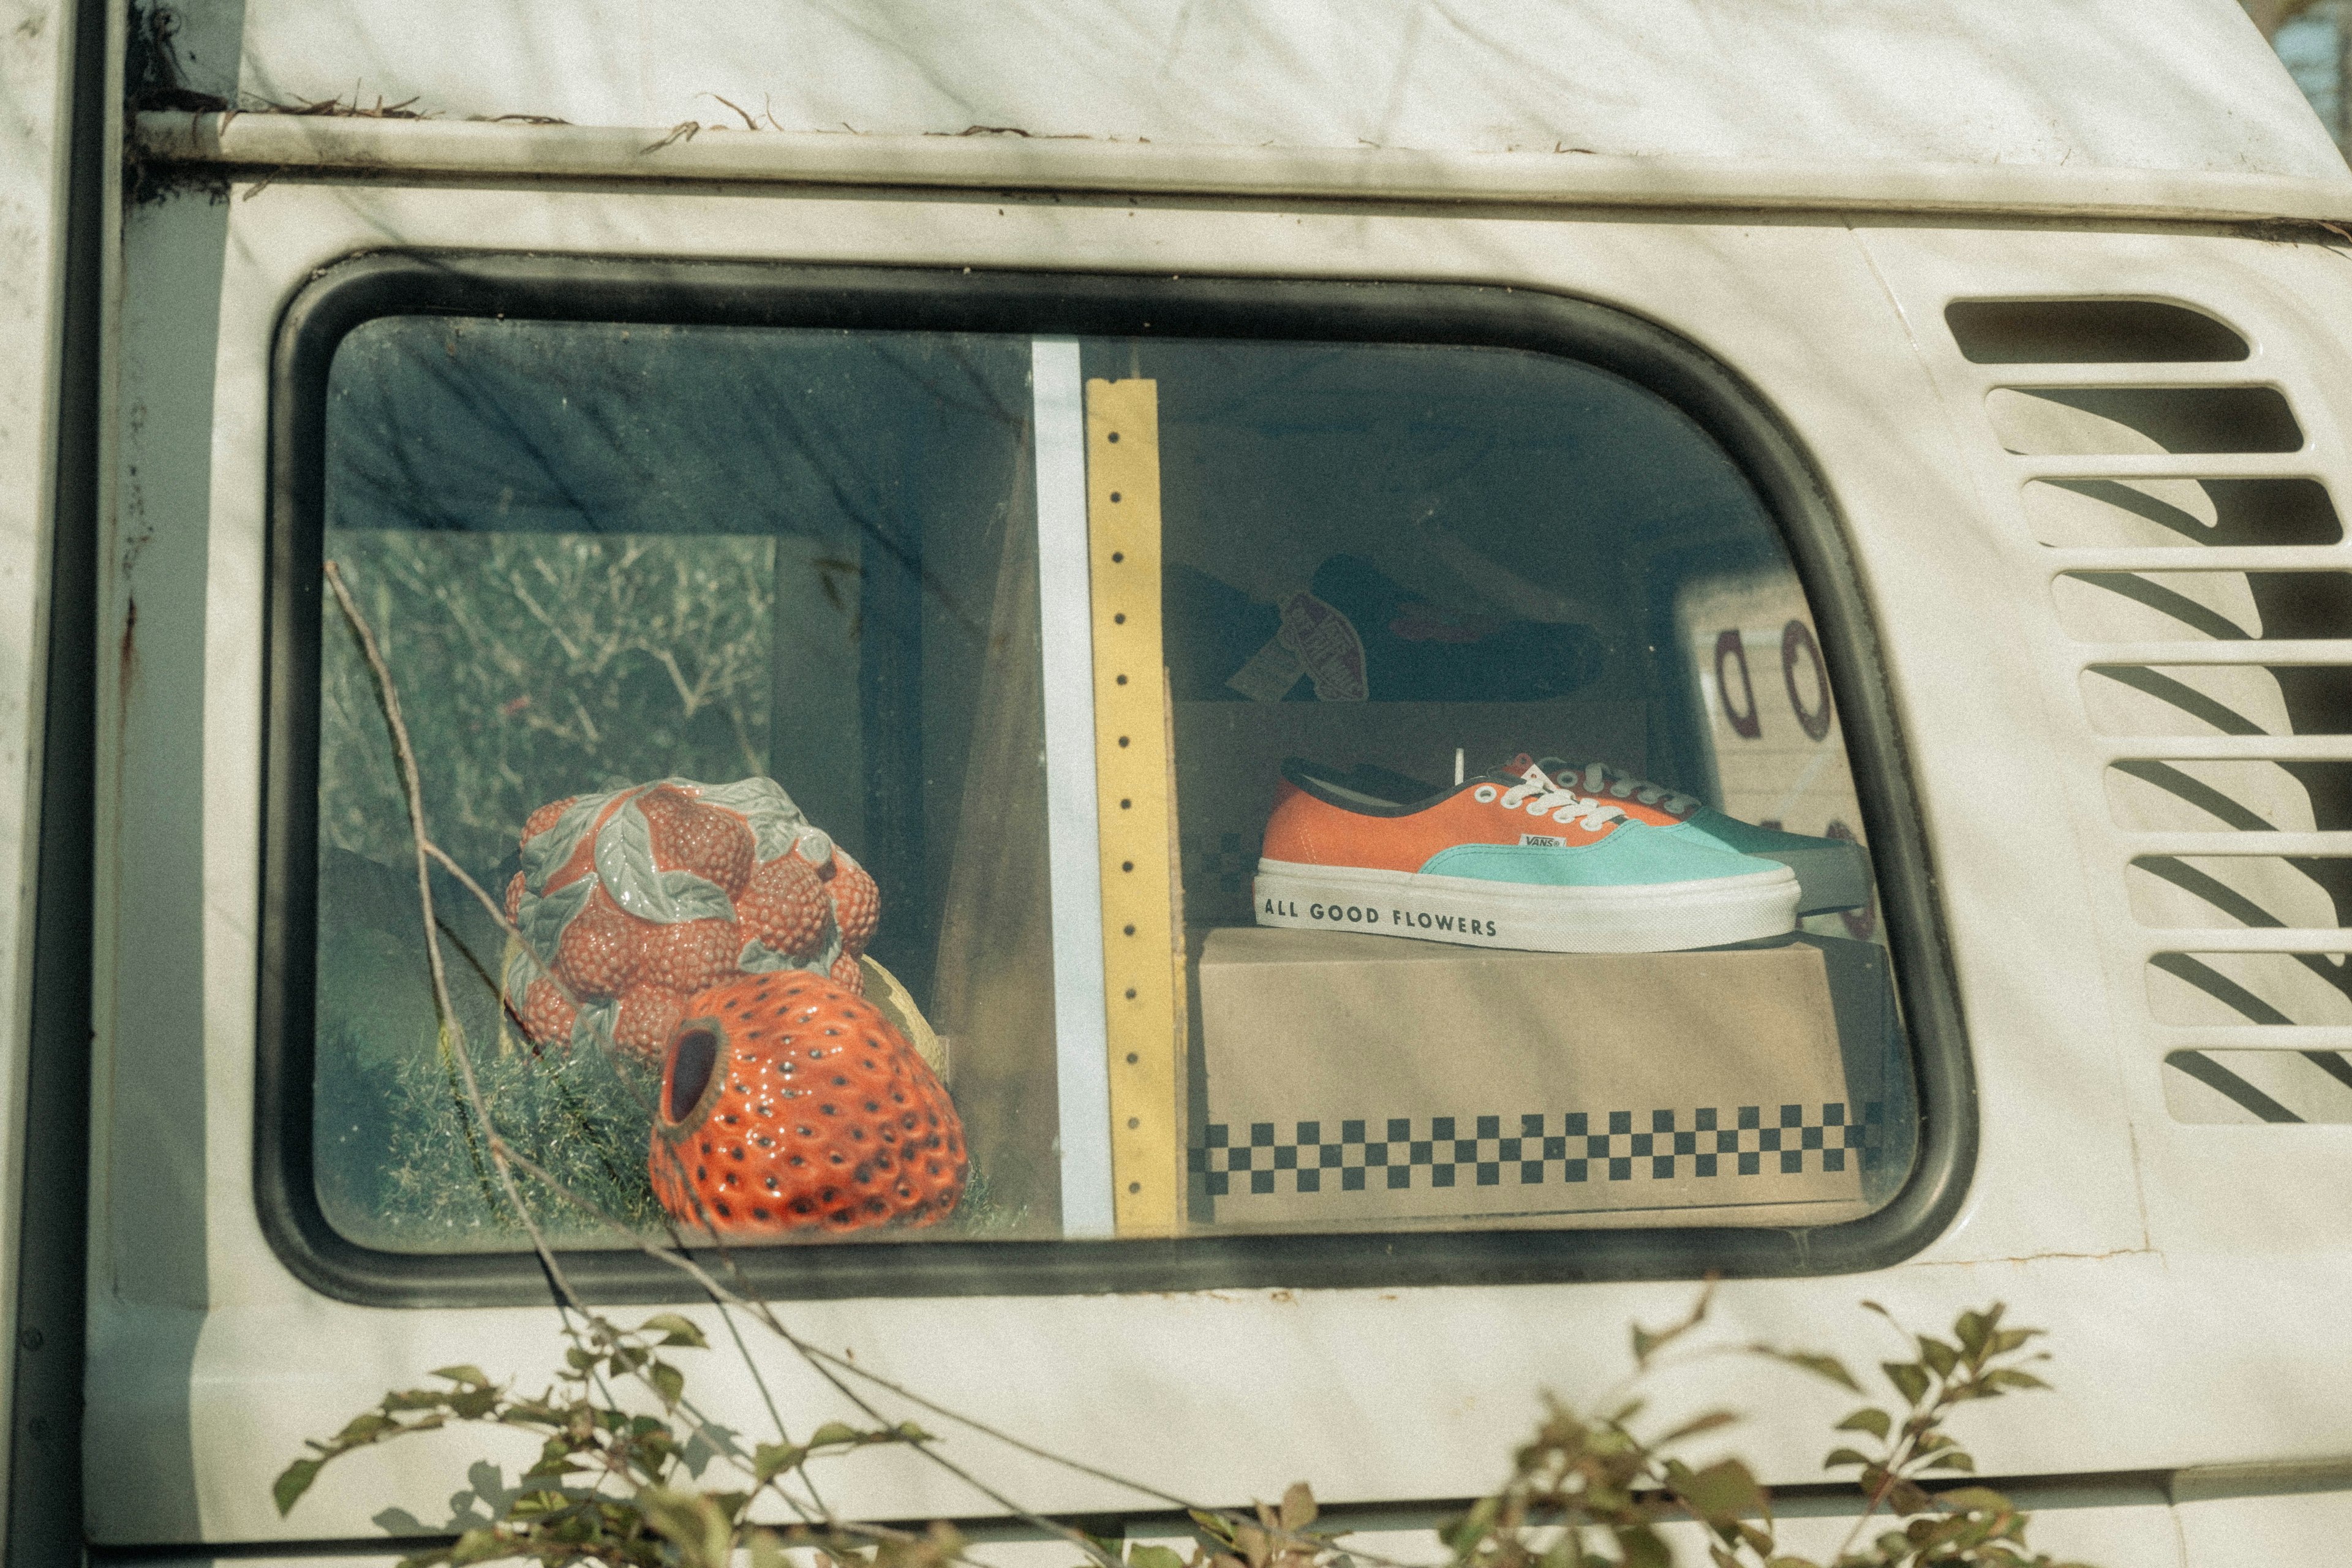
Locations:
1140 954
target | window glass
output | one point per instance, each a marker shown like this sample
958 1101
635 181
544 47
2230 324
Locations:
983 787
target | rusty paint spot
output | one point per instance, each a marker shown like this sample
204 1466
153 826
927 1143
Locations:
129 669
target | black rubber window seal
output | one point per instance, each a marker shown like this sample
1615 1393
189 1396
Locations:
562 287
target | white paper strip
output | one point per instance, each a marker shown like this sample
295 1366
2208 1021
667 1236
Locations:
1066 612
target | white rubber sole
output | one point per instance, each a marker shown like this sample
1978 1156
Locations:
1662 917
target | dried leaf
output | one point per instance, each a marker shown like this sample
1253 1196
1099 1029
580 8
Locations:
1712 1421
1909 1380
1641 1547
1820 1365
480 1544
769 1460
1839 1457
471 1376
1868 1419
474 1402
415 1399
364 1428
1721 1492
694 1523
1940 1357
675 1329
1298 1507
292 1482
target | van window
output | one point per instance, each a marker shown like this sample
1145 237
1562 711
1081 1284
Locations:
1001 787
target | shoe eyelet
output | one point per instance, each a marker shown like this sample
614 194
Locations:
1484 795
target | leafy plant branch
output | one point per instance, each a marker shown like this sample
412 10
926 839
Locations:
620 1484
593 1336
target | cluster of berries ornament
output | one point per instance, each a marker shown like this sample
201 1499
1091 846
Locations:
642 898
791 1103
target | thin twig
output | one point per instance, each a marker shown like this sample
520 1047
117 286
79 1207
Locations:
502 1157
499 914
452 1030
507 1159
822 1361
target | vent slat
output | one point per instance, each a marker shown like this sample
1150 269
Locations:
2087 331
2255 1088
2266 989
2154 841
2173 514
2255 892
2298 651
2200 466
2250 702
2139 421
2299 749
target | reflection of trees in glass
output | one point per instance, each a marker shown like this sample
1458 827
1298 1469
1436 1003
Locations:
536 666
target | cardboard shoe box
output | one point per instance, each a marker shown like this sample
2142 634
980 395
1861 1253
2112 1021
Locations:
1355 1081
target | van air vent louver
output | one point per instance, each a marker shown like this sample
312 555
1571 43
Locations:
2222 680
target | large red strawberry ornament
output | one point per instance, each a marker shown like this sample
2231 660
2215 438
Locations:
545 1015
602 950
784 909
688 956
790 1103
856 902
542 819
642 898
686 834
647 1018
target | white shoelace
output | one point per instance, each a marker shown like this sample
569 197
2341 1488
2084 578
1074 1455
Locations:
1599 776
1537 795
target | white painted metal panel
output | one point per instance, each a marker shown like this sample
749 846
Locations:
1371 1394
2137 84
2263 1518
2280 298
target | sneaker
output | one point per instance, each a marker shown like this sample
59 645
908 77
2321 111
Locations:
1506 861
1832 874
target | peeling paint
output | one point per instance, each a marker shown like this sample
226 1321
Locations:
2035 1258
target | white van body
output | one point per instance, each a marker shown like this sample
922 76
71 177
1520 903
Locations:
1799 188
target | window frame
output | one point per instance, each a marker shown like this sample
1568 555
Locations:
1731 411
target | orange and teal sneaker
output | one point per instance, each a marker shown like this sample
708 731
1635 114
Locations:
1831 873
1506 861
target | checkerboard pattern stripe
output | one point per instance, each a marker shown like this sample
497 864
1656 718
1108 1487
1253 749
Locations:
1224 862
1542 1149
